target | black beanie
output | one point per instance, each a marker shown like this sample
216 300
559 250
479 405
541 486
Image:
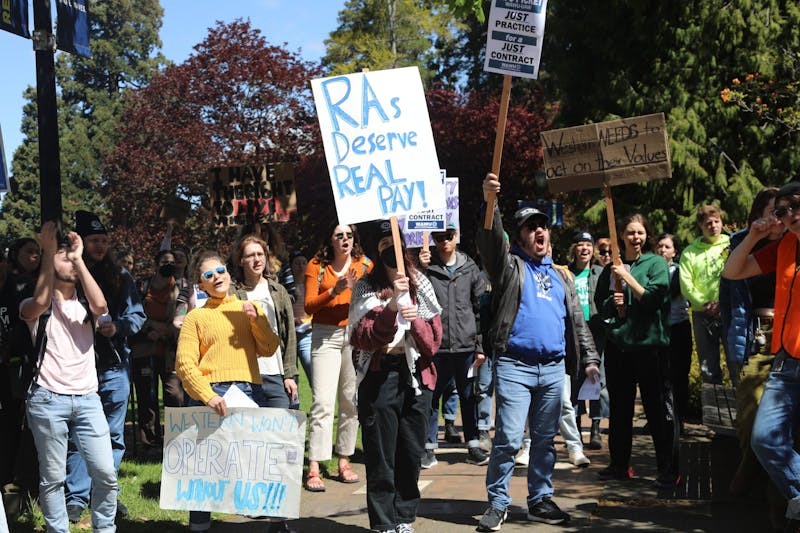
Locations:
87 223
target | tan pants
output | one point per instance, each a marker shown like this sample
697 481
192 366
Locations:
332 377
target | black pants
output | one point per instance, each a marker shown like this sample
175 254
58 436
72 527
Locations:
146 373
680 362
393 426
455 367
649 368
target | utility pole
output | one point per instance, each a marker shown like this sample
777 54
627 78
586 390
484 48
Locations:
44 44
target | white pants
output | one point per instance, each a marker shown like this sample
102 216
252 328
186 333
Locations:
332 376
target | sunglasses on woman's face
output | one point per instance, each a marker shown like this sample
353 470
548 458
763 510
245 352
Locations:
604 251
208 274
339 236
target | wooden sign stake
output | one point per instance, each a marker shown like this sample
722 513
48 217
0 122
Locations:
426 246
498 147
398 247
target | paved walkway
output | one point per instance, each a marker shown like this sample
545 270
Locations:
454 495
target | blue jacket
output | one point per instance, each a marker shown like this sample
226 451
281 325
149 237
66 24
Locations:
125 308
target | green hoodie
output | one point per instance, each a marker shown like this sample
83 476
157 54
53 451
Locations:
701 265
646 320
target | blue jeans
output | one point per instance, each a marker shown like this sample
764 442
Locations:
201 520
525 392
450 401
483 394
773 430
708 339
304 351
114 390
53 418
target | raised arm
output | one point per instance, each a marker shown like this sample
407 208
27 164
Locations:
32 307
741 264
94 295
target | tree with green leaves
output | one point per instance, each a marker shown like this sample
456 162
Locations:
384 34
124 42
627 58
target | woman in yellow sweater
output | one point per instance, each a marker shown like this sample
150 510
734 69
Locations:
208 363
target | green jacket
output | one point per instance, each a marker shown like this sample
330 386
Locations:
701 266
285 326
646 321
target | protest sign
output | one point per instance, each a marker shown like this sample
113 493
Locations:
378 144
249 462
250 194
629 150
514 37
414 225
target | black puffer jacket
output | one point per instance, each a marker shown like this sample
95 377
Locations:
459 294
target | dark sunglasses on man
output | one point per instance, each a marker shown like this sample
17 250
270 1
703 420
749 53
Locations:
441 237
534 223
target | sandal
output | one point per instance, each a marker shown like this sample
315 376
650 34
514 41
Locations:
346 475
314 482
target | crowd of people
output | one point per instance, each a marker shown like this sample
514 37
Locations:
385 335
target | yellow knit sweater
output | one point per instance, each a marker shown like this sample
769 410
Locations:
219 343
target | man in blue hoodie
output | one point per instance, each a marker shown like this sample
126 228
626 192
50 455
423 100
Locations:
537 329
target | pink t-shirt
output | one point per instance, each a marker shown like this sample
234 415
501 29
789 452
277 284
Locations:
68 362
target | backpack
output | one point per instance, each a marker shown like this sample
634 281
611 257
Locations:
31 351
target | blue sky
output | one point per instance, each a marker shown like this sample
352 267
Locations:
302 25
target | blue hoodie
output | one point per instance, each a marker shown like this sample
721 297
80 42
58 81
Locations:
538 331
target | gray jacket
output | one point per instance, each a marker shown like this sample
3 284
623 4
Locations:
507 273
459 295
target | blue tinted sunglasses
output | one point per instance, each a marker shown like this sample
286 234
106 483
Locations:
208 274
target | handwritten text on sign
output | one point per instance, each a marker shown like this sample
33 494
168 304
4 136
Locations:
514 37
249 462
629 150
413 230
378 144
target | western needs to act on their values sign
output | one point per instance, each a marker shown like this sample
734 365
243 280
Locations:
514 37
250 462
378 144
629 150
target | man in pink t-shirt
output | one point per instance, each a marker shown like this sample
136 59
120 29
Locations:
63 396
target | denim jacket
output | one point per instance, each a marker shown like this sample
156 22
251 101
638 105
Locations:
125 308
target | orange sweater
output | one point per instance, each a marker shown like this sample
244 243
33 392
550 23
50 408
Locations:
219 343
327 309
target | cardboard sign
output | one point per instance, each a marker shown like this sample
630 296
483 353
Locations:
514 37
413 226
250 462
378 144
629 150
249 194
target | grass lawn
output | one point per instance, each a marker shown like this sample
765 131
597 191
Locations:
140 484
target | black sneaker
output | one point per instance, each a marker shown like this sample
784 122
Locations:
74 513
667 481
428 459
613 472
492 520
477 456
547 511
451 434
280 527
122 510
485 440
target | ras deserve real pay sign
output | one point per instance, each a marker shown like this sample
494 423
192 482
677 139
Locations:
378 144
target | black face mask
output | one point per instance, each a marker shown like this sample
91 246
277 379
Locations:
388 258
166 271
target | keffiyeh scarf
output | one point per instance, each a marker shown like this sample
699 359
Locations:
365 298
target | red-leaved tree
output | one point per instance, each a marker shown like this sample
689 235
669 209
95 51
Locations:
236 101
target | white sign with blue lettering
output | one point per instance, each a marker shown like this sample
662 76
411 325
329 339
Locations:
514 37
415 225
250 462
378 144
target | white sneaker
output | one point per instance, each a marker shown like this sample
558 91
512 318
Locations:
577 458
524 456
